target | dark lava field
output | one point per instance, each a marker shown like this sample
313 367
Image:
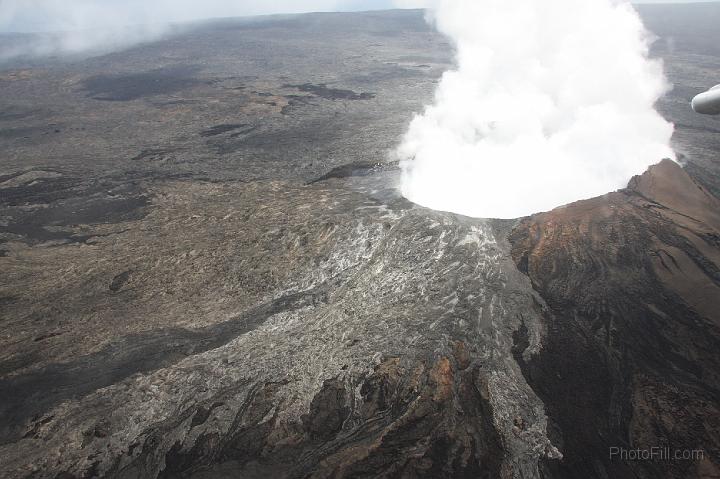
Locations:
207 271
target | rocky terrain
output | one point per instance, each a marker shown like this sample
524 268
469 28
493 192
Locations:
633 328
208 272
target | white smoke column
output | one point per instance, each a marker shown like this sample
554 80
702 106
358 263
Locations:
551 102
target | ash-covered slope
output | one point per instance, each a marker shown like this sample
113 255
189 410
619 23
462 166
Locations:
631 359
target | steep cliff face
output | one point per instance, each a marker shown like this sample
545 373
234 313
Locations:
631 357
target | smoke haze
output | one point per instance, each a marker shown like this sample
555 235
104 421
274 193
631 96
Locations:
551 102
77 26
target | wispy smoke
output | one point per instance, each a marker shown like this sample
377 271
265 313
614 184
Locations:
551 102
77 26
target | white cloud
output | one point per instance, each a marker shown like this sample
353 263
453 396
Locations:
551 102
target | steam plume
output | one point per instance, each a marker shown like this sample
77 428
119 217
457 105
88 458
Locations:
551 102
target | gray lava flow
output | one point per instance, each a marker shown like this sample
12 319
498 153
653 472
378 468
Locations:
207 271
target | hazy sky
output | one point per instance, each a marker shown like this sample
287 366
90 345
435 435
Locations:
53 15
45 15
99 26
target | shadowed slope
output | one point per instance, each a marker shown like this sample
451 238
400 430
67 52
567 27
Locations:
631 360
